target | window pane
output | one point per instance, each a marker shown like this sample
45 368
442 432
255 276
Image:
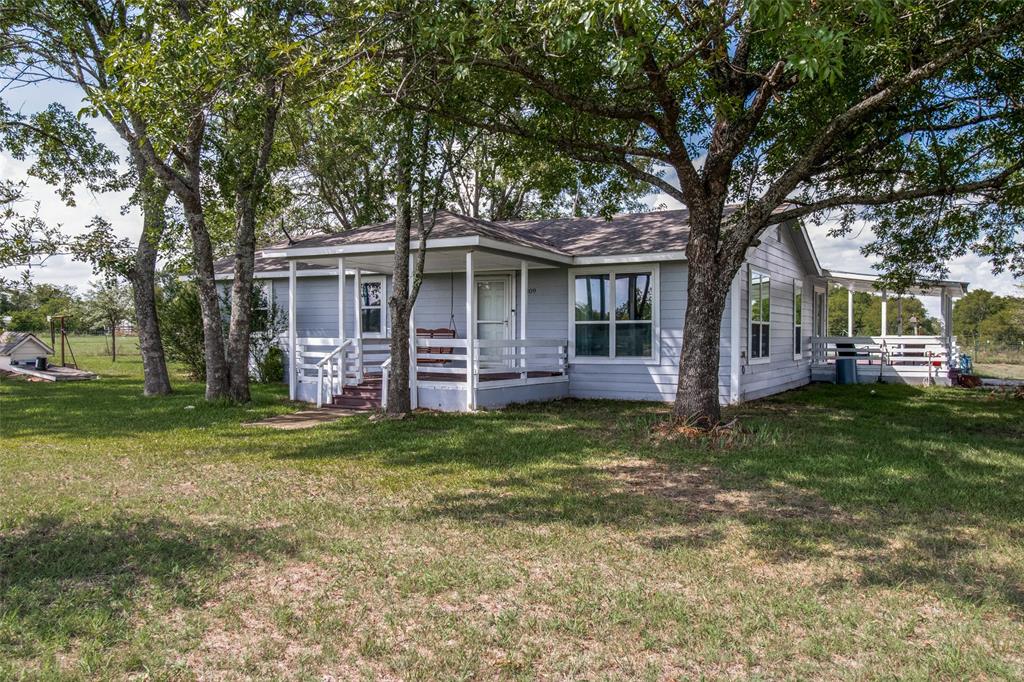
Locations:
765 336
633 339
766 301
592 297
755 340
797 338
371 320
798 304
490 301
755 298
592 340
371 293
633 296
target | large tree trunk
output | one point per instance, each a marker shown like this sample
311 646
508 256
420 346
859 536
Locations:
240 326
708 282
399 303
247 200
155 380
217 376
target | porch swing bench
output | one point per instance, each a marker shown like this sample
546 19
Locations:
439 333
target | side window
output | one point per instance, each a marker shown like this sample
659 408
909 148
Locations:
759 297
798 319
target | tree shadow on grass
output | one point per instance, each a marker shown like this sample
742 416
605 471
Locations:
501 442
61 579
112 407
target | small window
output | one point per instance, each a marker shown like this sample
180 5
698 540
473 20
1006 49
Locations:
798 319
759 295
371 302
614 314
262 306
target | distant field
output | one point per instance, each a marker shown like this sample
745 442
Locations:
94 345
1000 371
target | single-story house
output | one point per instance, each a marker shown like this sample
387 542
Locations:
582 307
20 349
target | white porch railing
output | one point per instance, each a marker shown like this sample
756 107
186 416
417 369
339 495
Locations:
334 363
924 357
496 359
331 363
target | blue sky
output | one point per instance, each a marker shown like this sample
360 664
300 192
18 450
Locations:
838 254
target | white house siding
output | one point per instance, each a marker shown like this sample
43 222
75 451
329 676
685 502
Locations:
778 258
655 381
548 317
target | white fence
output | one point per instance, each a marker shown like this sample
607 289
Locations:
904 357
332 363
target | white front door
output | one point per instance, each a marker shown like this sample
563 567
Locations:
493 316
373 306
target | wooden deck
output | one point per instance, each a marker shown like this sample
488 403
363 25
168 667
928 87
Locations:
52 373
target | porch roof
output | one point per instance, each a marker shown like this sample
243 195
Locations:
869 283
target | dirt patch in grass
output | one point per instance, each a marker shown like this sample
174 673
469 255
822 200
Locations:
703 494
250 619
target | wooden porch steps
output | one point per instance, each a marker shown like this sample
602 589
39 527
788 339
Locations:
364 397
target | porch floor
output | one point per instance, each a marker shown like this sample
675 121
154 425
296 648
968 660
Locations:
501 376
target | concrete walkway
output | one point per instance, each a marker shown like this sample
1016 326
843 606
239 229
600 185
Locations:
304 419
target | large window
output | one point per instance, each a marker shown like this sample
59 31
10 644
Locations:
798 319
759 296
614 314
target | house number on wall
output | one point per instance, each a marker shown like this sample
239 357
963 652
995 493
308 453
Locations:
531 290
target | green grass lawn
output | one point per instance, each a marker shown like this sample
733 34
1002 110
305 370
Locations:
854 532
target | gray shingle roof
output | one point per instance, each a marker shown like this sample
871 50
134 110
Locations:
623 234
447 225
634 233
11 340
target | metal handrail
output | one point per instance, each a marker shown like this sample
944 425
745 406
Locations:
324 361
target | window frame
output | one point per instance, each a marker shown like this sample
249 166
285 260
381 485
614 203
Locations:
366 278
760 359
612 271
798 327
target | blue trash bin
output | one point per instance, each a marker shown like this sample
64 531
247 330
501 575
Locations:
846 371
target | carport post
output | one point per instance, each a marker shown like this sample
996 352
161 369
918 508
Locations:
885 314
849 310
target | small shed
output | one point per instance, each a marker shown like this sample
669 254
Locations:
21 349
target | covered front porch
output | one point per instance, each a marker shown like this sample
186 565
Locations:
474 346
899 354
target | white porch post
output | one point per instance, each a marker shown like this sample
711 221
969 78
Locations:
470 333
293 374
341 299
413 390
946 317
734 338
524 284
358 331
885 314
340 360
849 311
